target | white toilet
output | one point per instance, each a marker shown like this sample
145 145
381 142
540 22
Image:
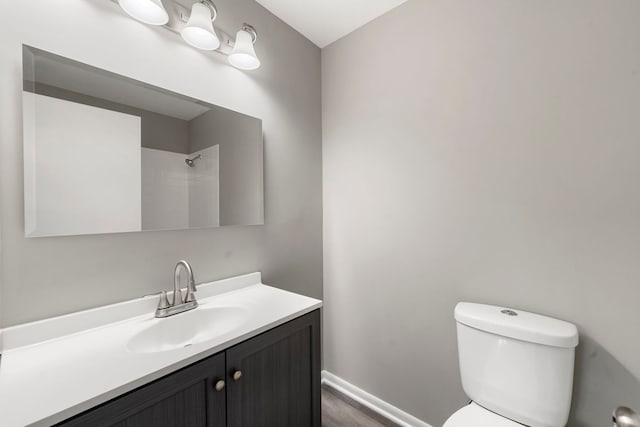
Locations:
516 367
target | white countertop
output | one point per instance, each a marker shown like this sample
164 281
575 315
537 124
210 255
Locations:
51 370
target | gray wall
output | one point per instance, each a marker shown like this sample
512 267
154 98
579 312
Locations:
238 137
49 276
482 151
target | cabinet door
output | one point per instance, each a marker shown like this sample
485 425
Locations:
186 398
279 381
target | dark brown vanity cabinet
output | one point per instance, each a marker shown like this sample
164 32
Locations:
271 380
280 377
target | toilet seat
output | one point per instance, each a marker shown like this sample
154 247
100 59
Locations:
476 416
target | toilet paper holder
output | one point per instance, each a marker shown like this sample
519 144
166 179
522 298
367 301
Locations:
625 417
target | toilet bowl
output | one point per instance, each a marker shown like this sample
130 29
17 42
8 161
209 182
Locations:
499 350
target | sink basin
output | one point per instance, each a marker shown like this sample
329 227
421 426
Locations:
186 329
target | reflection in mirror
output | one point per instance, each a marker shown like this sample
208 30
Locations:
106 154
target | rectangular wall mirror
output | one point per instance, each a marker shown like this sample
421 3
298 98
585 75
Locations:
105 153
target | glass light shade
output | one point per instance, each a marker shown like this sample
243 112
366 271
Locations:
150 12
199 31
243 56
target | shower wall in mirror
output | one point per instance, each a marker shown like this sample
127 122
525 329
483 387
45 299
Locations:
107 154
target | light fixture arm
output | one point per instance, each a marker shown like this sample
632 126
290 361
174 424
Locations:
249 29
212 6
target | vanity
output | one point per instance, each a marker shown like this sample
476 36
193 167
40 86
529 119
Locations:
104 154
248 355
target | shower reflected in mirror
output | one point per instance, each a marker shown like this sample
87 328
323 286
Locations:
191 162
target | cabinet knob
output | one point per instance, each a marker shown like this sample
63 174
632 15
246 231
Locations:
219 385
237 375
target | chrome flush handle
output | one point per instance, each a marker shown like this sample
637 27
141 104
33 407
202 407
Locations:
625 417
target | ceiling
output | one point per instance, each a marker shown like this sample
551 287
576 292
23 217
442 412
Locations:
325 21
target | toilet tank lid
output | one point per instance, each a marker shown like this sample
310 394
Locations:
517 324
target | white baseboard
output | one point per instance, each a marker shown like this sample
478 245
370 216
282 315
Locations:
383 408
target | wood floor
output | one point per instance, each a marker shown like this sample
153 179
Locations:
339 410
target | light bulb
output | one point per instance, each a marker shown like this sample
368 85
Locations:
199 31
243 56
150 12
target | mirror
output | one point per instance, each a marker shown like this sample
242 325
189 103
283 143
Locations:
106 154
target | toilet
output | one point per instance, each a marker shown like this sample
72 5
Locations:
516 367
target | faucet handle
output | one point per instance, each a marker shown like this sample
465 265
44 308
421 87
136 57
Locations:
164 301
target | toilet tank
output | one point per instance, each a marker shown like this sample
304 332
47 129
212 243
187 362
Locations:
517 364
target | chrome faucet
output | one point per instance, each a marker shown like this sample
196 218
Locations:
178 303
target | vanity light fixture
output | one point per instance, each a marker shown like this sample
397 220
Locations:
243 56
150 12
199 31
196 28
